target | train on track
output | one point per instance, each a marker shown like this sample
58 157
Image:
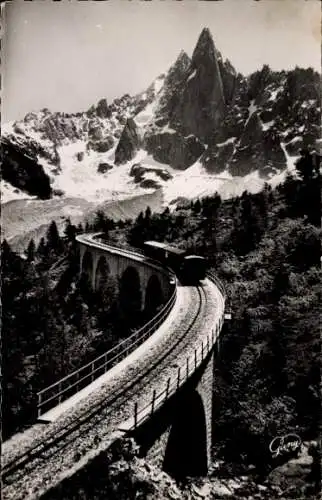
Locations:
190 269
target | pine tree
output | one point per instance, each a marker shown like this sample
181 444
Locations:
53 238
80 228
42 250
148 214
196 207
31 250
70 231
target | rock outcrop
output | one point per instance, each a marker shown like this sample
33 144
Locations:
104 167
174 149
23 171
128 144
172 89
258 149
217 157
139 172
102 109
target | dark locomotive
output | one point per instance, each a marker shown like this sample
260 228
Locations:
190 269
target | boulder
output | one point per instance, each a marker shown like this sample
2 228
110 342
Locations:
80 156
138 172
104 167
149 184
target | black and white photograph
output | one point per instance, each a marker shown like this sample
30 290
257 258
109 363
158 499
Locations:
160 249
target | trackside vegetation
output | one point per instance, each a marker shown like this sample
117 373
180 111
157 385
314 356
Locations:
265 247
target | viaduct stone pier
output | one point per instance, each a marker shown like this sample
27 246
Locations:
178 436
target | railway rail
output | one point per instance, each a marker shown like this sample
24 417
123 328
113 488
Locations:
99 421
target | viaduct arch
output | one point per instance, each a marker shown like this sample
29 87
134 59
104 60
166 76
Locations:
141 285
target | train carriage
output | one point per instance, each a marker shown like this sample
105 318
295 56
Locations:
190 269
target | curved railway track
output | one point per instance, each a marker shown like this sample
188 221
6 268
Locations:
31 467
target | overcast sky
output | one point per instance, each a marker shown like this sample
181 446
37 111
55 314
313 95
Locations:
66 55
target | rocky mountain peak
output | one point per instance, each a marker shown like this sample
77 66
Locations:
172 87
202 101
205 48
182 61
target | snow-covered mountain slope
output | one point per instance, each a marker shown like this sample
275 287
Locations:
200 128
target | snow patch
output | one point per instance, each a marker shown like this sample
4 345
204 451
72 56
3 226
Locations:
145 116
168 130
10 193
227 141
274 93
267 125
295 139
193 74
192 183
158 84
252 108
290 161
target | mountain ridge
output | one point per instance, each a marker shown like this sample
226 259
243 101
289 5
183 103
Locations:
202 111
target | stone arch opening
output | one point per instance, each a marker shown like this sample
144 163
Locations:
130 297
87 268
186 451
153 295
102 274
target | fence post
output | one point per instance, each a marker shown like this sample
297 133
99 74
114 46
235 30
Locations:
59 391
168 388
92 376
135 415
187 367
105 362
153 402
195 358
178 382
39 404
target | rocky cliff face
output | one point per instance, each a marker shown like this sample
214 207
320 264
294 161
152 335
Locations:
200 112
128 144
23 171
202 104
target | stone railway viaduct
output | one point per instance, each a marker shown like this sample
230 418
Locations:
160 392
178 436
149 285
